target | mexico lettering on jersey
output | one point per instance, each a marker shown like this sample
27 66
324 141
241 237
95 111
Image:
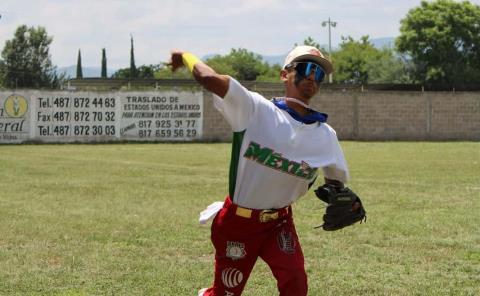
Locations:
275 157
274 160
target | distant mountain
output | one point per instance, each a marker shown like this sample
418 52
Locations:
71 71
274 59
383 42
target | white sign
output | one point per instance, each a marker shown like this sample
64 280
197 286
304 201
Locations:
74 117
165 116
97 117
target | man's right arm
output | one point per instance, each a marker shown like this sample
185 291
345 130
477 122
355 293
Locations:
203 74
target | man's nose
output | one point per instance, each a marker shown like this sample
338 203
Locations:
311 76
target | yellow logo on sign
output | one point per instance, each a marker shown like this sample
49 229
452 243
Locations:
16 106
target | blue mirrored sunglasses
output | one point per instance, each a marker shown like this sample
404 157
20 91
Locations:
305 69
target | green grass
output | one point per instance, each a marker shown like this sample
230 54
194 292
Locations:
122 220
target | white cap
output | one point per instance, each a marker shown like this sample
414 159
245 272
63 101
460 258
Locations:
308 53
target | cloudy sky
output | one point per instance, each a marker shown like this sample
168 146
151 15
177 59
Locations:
268 27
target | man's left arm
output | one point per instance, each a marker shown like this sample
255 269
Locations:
203 74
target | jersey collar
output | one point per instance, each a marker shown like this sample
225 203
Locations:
312 117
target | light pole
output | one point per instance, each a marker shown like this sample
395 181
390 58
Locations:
330 25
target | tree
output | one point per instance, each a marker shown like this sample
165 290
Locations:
388 67
123 73
133 69
360 62
164 72
443 40
239 63
351 60
271 75
144 71
79 65
311 42
26 59
2 72
104 64
147 71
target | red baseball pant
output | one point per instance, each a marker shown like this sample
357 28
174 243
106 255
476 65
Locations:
239 241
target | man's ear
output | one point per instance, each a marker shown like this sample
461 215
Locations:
283 75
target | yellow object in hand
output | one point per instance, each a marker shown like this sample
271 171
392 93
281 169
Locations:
189 60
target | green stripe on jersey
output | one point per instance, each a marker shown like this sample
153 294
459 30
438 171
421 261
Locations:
236 147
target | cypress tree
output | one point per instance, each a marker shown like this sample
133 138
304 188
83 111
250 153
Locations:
133 69
104 64
79 66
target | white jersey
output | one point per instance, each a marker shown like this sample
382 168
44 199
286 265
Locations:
275 157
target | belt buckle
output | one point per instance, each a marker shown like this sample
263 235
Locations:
268 215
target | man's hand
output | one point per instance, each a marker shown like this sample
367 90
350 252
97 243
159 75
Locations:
203 74
176 60
344 207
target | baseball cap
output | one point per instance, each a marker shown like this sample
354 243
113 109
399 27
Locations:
308 53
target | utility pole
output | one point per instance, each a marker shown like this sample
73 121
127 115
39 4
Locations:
330 25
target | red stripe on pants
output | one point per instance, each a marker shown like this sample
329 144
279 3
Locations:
239 241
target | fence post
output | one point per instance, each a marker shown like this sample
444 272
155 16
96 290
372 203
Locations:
355 118
429 117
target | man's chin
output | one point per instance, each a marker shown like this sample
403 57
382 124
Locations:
308 93
309 89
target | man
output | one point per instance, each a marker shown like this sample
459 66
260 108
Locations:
277 148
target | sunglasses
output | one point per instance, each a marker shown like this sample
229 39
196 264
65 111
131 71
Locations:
305 69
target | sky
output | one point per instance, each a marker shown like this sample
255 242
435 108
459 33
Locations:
267 27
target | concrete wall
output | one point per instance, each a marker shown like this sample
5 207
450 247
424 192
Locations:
382 115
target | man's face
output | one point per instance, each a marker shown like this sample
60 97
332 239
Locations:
300 85
306 86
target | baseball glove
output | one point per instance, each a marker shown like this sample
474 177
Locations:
344 207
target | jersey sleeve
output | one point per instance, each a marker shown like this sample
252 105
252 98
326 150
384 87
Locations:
238 106
337 169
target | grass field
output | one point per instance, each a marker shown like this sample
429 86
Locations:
122 220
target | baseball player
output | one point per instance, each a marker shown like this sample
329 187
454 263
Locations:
278 147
